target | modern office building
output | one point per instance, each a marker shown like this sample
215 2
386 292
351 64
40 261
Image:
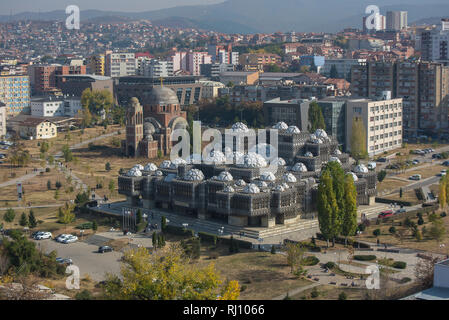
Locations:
342 66
15 93
120 64
292 112
382 121
435 43
74 85
396 20
211 88
334 113
423 86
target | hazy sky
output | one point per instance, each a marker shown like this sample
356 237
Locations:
18 6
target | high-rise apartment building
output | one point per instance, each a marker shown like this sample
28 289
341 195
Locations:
155 68
120 64
96 65
396 20
190 61
44 78
424 87
435 43
15 93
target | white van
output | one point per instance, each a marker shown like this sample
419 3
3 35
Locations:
371 165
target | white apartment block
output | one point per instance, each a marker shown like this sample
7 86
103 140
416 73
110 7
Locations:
155 68
382 120
190 61
120 64
343 66
56 107
435 43
3 111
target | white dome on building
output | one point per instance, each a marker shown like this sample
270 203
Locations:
216 157
334 159
239 127
194 175
267 176
134 172
299 167
337 152
228 189
361 168
288 177
165 164
240 183
251 188
150 167
234 157
177 162
252 160
308 154
321 134
316 141
225 176
279 188
293 129
261 184
139 166
354 176
159 173
280 126
278 162
285 185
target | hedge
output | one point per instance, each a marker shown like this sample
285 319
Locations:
399 265
310 261
179 231
330 265
365 257
207 237
341 240
399 202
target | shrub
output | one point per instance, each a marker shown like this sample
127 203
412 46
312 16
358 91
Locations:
330 265
392 230
342 296
273 250
376 232
365 257
399 265
314 293
84 295
310 261
47 169
361 227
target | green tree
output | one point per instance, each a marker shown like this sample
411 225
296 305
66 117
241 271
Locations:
437 231
67 153
65 214
358 139
349 224
23 220
49 185
327 207
316 119
138 216
163 223
107 166
381 175
32 220
9 215
111 187
94 225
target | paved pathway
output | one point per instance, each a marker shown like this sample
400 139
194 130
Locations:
296 291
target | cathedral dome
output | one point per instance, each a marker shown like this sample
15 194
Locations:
161 96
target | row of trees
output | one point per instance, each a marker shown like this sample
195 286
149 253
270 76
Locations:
337 207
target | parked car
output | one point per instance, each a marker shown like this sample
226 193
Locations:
43 236
66 261
437 156
442 173
70 239
415 177
446 163
104 249
385 214
382 160
62 237
401 210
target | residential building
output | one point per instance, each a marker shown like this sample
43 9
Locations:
195 59
435 43
210 89
396 20
37 128
424 87
97 65
120 64
309 61
3 112
44 78
155 68
256 61
382 121
214 70
15 93
61 106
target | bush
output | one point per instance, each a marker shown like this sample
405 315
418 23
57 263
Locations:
365 257
361 227
342 296
330 265
84 295
314 293
399 265
392 230
376 232
420 221
310 261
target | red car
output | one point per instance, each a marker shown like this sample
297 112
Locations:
385 214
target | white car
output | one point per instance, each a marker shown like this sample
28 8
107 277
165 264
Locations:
415 177
43 235
70 239
371 165
62 237
442 173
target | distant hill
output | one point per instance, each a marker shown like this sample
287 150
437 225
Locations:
250 16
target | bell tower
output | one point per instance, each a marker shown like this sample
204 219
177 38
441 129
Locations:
134 127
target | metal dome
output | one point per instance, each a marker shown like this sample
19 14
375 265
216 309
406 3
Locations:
177 162
293 129
334 159
261 184
134 172
161 96
253 160
288 177
216 157
228 189
239 127
150 167
225 176
320 134
361 168
267 176
299 167
251 188
280 126
194 175
165 164
240 183
279 188
308 154
354 176
139 167
337 152
279 162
